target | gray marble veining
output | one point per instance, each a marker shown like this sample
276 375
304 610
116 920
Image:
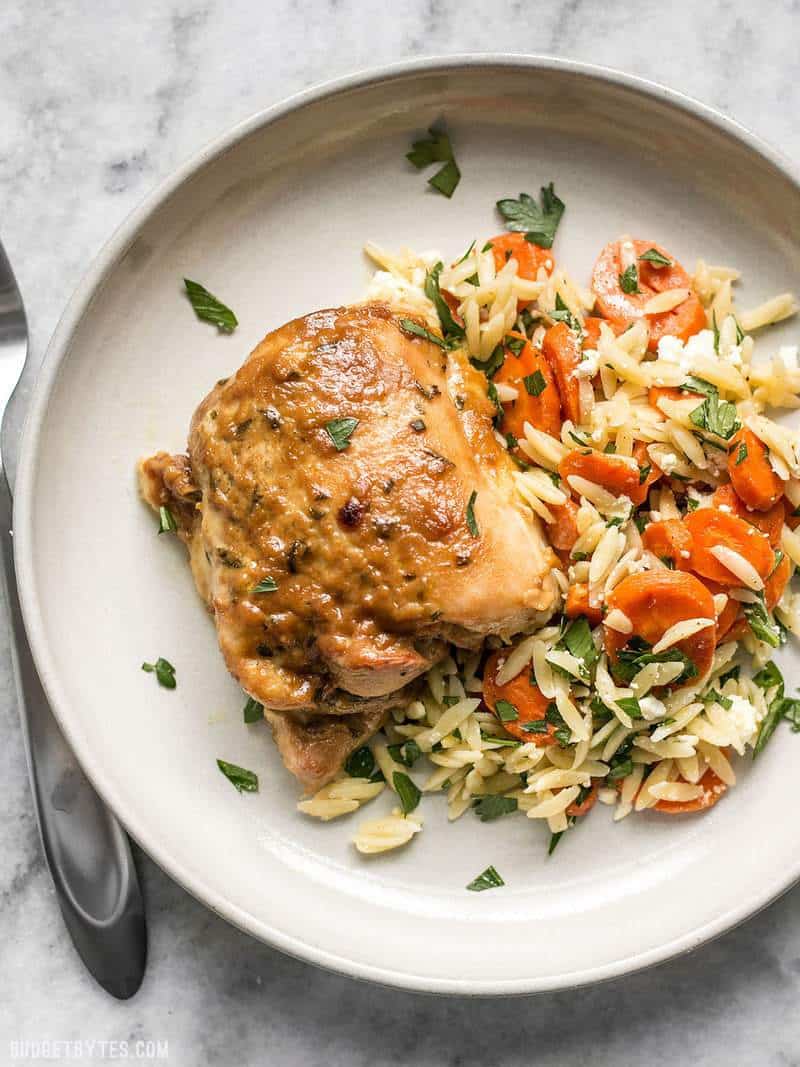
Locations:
98 103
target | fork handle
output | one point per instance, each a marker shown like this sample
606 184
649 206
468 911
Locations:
87 851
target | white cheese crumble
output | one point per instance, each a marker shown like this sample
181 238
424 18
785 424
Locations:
743 717
589 365
652 708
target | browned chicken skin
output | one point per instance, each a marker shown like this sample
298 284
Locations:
375 564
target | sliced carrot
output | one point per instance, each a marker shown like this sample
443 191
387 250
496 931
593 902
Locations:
520 692
563 533
769 522
578 604
713 787
754 480
542 411
791 514
777 582
671 392
622 477
729 614
656 600
669 539
591 331
585 806
710 528
623 309
561 347
529 257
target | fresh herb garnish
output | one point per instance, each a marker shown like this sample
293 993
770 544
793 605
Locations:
361 763
644 471
437 149
535 726
163 670
406 753
253 711
713 697
562 313
535 383
488 879
166 521
407 791
620 770
554 839
472 523
741 454
414 328
458 262
340 431
502 742
266 585
452 331
577 639
763 625
630 705
492 365
629 280
769 676
610 448
506 711
637 654
417 425
488 808
208 308
244 780
515 345
652 255
717 416
539 224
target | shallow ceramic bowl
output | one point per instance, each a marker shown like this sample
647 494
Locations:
272 218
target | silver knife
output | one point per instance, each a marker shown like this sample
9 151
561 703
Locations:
87 851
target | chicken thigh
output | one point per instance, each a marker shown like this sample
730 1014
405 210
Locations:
348 512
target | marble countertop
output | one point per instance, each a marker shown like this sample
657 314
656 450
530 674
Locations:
101 101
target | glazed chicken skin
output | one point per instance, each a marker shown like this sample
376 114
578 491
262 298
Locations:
338 559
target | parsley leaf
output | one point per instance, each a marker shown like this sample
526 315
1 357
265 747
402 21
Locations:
539 224
361 763
741 453
535 383
340 431
163 670
437 149
554 839
407 753
769 676
506 711
563 314
245 781
763 625
407 791
445 181
629 280
472 523
451 330
208 308
488 879
717 416
577 639
166 521
253 711
652 255
266 585
414 328
488 808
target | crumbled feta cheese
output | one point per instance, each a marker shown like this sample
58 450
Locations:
588 366
670 349
743 717
652 708
787 354
668 463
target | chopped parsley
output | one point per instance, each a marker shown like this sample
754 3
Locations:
488 879
538 223
417 425
407 791
458 262
637 654
361 763
656 258
245 781
406 753
415 330
644 471
535 383
577 640
763 625
629 280
253 711
630 705
437 149
717 416
515 345
506 711
562 313
452 331
163 670
472 523
741 453
266 585
166 521
340 431
208 308
492 365
489 808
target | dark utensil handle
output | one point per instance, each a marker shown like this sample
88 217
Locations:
86 849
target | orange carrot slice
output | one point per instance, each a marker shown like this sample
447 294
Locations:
585 806
525 697
578 604
619 476
538 399
656 600
624 308
529 257
563 533
713 787
669 539
770 523
710 528
561 347
754 480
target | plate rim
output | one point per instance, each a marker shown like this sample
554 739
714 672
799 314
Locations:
58 348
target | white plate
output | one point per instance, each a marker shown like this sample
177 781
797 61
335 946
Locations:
272 218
